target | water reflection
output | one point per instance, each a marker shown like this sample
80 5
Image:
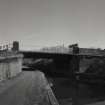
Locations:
69 92
87 93
62 90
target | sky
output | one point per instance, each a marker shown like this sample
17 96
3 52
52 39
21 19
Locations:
41 23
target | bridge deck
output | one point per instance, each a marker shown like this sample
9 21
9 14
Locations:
38 53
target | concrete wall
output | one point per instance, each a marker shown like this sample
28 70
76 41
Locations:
10 66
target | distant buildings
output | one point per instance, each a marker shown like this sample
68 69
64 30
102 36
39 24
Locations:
10 47
56 49
73 49
91 51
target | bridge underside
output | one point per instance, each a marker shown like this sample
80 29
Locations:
64 63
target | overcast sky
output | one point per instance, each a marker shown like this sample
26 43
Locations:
53 22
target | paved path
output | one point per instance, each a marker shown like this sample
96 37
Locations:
29 88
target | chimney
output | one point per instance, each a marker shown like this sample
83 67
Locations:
15 46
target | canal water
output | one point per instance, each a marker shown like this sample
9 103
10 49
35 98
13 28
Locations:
68 92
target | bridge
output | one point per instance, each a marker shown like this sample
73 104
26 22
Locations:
69 61
63 60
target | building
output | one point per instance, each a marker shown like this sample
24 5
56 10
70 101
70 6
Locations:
56 49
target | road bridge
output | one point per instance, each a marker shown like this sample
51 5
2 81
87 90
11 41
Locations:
65 63
63 60
69 60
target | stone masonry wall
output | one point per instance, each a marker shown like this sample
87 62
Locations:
10 66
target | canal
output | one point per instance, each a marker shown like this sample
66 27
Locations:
70 92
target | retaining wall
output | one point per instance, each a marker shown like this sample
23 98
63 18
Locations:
10 66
